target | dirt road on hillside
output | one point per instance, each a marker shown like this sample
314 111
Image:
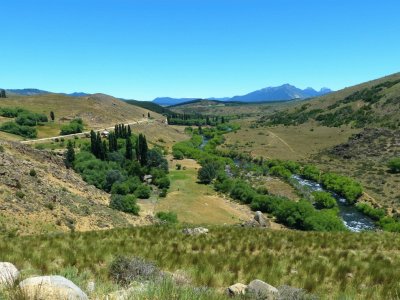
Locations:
83 133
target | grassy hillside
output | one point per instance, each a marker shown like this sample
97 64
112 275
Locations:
212 108
38 195
149 105
329 265
333 132
98 111
375 103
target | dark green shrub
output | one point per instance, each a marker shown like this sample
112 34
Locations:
394 165
32 172
143 192
125 203
168 217
324 200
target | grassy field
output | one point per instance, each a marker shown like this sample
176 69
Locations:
285 142
329 265
198 203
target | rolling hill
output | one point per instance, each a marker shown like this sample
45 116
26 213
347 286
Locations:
97 111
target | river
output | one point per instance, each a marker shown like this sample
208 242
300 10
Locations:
351 217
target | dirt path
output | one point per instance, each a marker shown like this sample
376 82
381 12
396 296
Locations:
281 140
83 133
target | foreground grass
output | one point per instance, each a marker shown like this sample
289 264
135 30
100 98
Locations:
331 265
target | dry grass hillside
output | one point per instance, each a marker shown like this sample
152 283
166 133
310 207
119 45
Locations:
97 111
38 195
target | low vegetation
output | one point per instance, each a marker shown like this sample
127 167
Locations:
75 126
24 123
329 265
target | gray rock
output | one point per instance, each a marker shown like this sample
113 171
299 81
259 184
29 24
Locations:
51 287
261 290
8 273
195 231
236 289
260 219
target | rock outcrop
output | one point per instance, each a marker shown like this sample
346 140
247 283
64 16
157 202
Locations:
50 288
262 290
258 221
8 273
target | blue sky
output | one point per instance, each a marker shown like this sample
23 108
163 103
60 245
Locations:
195 48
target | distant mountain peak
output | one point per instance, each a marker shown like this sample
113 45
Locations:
283 92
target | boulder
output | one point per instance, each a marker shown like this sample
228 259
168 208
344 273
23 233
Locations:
8 273
195 231
258 221
237 289
261 290
51 287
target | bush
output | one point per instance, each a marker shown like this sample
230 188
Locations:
75 126
14 128
124 270
394 165
280 171
143 192
162 182
324 200
342 185
311 172
30 119
32 172
374 213
324 220
125 203
168 217
207 172
243 192
163 193
177 154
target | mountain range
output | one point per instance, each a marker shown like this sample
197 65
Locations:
33 92
280 93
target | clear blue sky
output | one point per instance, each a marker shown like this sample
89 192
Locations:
195 48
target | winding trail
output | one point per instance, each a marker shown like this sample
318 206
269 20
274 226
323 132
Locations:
281 140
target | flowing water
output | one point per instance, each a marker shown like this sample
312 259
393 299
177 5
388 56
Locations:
352 218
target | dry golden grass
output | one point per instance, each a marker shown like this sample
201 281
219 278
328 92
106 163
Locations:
198 203
98 111
280 142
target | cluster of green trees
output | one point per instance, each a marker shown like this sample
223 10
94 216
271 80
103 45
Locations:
120 171
3 93
75 126
379 215
21 130
300 215
24 123
194 119
342 185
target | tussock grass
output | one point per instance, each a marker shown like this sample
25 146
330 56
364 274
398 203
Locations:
330 265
